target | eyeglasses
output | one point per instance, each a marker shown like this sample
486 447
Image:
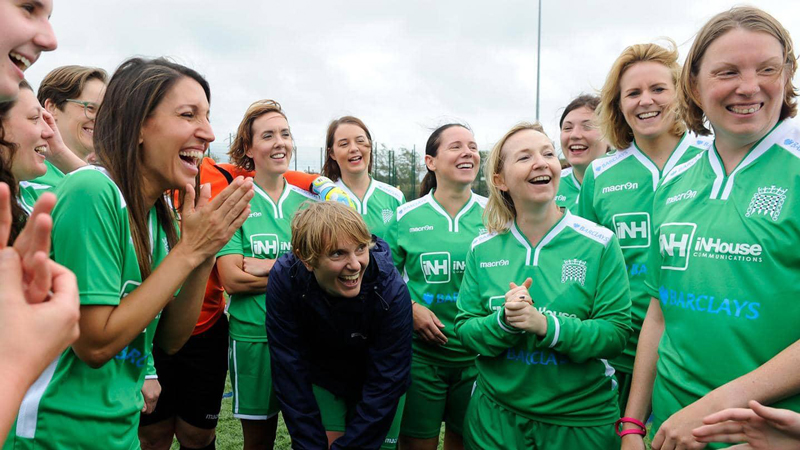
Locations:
89 108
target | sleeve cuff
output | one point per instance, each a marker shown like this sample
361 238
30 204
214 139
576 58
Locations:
151 377
553 331
505 327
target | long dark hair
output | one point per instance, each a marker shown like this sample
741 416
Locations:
432 149
331 168
135 90
7 150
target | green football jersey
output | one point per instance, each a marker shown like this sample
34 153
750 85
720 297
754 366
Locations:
568 190
266 234
72 405
727 268
580 285
430 248
617 193
29 191
378 205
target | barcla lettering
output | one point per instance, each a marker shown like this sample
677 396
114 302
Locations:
709 304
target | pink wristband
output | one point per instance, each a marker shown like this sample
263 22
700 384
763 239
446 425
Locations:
636 422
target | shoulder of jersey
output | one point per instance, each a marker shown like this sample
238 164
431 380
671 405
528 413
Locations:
483 238
680 169
481 200
405 208
94 174
604 163
389 189
701 142
302 192
789 139
32 185
566 172
589 229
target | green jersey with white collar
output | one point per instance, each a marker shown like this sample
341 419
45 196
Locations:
617 193
30 191
726 268
568 190
580 285
266 234
378 205
429 248
71 404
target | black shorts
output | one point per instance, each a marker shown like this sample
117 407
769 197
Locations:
193 380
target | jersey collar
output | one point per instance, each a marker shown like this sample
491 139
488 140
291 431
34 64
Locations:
532 254
452 223
722 187
676 155
361 204
277 210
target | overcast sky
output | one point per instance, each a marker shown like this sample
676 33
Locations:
404 67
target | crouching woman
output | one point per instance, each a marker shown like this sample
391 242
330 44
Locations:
339 328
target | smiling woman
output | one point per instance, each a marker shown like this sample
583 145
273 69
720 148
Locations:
349 163
737 79
129 261
429 238
263 143
26 33
572 271
339 328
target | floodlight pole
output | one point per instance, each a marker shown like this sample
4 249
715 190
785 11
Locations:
538 58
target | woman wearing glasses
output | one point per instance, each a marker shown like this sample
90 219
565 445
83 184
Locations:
73 94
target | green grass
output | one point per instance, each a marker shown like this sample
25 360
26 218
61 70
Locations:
229 430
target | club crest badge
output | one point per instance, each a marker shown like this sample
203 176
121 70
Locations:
768 201
573 270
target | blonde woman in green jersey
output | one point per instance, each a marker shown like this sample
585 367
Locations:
348 163
581 143
544 302
429 239
263 144
724 279
140 284
638 114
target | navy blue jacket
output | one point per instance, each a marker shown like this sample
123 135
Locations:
357 348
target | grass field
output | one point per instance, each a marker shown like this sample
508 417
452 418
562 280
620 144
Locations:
229 430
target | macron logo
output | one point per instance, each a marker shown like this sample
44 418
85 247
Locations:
489 264
418 229
255 214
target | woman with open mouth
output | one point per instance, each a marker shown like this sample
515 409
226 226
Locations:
140 284
429 238
726 276
581 143
264 144
638 113
26 34
23 145
544 302
348 163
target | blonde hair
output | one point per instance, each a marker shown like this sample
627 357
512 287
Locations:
747 18
500 208
244 134
609 114
322 226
